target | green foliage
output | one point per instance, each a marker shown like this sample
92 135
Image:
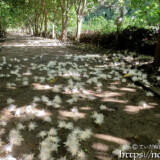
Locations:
133 21
4 14
95 24
144 13
110 27
98 16
149 10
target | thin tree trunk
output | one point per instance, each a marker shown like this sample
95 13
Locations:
79 26
41 26
64 27
66 7
53 30
45 30
45 17
64 32
53 23
80 8
22 29
46 24
30 31
31 24
36 24
35 28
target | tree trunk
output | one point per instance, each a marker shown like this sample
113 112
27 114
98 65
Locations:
36 30
45 24
33 30
22 28
66 8
64 27
79 26
53 24
29 29
80 8
35 27
157 53
45 27
45 17
53 30
41 26
41 31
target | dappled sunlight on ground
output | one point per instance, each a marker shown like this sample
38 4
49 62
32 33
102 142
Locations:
116 100
23 113
38 86
85 108
100 147
101 150
11 88
136 109
111 139
128 89
107 94
102 156
21 42
72 115
27 74
78 103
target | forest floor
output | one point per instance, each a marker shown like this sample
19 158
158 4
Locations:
56 101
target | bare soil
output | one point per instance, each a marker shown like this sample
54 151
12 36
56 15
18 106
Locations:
126 120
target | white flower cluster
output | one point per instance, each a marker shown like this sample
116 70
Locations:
124 148
47 146
73 142
28 156
10 101
15 138
63 124
32 126
99 118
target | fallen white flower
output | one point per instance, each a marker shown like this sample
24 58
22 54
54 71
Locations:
10 101
42 134
28 156
32 126
15 137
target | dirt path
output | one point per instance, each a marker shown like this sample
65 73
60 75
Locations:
57 102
